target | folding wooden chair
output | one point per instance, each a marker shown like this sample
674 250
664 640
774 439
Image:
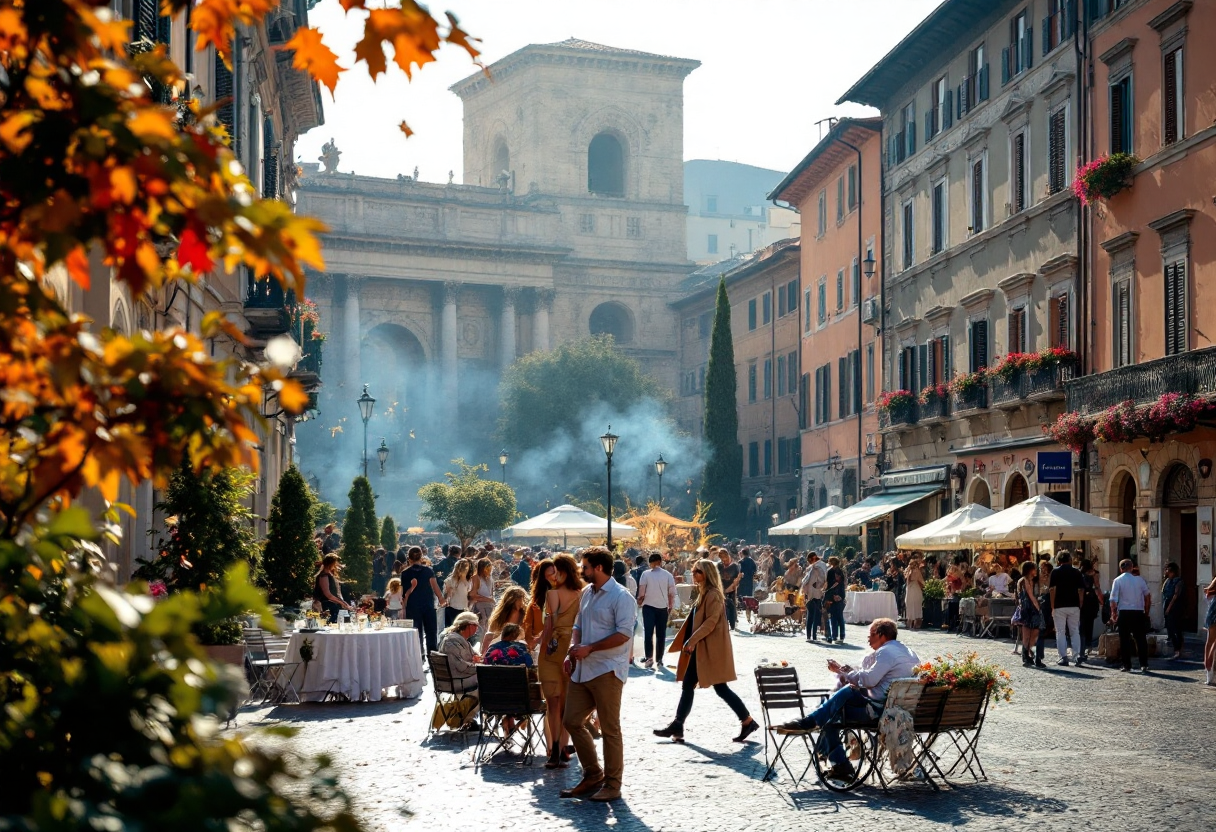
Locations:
450 696
505 694
271 676
779 691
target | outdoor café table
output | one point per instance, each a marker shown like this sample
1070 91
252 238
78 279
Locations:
864 607
684 591
771 608
358 662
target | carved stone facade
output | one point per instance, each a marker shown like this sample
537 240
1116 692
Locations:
571 222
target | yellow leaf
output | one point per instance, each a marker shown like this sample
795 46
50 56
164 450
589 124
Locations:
314 57
123 184
150 122
291 395
14 130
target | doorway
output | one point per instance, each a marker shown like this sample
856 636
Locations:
1178 505
1128 548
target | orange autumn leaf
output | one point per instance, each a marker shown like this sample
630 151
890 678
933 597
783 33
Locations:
347 5
15 130
123 185
77 263
405 128
13 33
291 395
149 122
459 37
314 57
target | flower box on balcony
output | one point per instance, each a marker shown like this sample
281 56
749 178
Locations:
970 391
934 404
896 409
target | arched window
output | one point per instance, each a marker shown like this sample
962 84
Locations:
612 319
502 158
1019 490
980 493
606 166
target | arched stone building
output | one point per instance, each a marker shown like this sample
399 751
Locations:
570 221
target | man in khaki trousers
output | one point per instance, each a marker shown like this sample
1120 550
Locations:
598 664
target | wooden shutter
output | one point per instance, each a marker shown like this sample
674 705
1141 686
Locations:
1019 172
827 392
1056 151
1117 116
922 367
226 111
1016 343
852 186
961 97
983 84
947 366
1027 47
1006 57
934 363
977 196
1123 324
1175 308
930 122
144 20
1171 97
855 358
948 111
911 137
842 394
979 345
804 382
1058 321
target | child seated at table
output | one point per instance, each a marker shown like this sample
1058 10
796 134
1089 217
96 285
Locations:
393 600
509 650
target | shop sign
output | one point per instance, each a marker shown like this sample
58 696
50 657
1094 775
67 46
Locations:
1055 467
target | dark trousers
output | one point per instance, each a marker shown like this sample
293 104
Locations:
836 621
331 609
654 631
1133 625
690 688
1087 630
732 610
424 621
449 616
849 701
1173 628
814 611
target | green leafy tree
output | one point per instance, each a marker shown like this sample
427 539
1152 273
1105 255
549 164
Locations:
360 534
290 554
580 375
388 533
325 512
467 505
722 484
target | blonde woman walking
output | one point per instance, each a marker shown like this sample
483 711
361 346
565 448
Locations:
482 594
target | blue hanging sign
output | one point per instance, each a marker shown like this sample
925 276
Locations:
1055 467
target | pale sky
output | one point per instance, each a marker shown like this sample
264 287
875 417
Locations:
769 70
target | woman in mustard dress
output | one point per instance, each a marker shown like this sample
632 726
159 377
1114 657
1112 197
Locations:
561 608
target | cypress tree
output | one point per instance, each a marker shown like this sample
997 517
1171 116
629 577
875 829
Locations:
290 555
722 483
388 534
359 536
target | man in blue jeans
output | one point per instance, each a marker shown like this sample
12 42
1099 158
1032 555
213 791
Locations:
860 689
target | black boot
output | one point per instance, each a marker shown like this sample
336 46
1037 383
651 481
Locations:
675 730
555 757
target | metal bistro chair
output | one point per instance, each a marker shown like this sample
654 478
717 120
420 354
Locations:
779 691
1000 614
271 676
505 693
450 695
968 622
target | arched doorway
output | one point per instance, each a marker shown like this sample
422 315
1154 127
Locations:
979 493
612 319
1178 501
606 166
394 366
1124 491
1016 490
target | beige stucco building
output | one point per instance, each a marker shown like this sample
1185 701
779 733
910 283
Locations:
980 241
570 221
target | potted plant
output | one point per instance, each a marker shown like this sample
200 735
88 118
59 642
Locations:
1120 423
968 388
1104 177
896 404
934 594
1012 365
1172 413
1071 430
970 673
223 642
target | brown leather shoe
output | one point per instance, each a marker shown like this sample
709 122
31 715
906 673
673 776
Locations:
605 794
590 784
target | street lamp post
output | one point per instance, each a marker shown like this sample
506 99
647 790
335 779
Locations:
608 440
660 465
382 454
366 403
503 456
759 519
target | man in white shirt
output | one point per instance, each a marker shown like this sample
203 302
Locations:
656 597
814 582
861 691
1130 601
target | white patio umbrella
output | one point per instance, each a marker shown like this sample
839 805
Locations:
802 525
567 523
942 533
1041 519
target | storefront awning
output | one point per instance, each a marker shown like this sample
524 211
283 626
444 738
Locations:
851 519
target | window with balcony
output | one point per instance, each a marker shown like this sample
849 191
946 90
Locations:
978 344
1059 321
941 115
1059 23
1057 150
909 378
1016 57
1122 115
974 88
1174 127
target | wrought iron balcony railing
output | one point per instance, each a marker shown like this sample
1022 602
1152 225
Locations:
976 398
1191 372
935 409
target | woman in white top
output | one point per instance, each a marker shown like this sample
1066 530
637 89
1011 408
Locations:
456 591
482 594
998 581
393 600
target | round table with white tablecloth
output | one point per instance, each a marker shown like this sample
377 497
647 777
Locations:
684 591
864 607
771 608
363 662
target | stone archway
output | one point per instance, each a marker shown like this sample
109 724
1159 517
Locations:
1121 497
1016 490
613 319
394 364
979 493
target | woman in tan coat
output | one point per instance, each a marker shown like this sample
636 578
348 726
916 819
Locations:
706 657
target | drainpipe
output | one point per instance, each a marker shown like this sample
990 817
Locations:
1083 283
860 253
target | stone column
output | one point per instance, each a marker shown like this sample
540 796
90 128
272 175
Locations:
540 320
510 295
352 336
448 339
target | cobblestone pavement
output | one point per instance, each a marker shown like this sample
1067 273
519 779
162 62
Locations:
1077 747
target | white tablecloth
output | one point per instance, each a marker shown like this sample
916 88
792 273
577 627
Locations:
771 608
685 593
369 661
864 607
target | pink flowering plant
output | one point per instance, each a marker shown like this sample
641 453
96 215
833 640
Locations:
1120 423
1071 430
1172 413
896 402
1011 364
965 383
1104 177
933 392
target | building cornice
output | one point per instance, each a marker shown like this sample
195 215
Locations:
1016 285
977 301
1170 222
1059 268
1171 15
1117 244
1120 50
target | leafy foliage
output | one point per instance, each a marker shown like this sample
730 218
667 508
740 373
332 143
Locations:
467 505
109 707
722 485
1104 177
360 535
290 554
388 533
545 394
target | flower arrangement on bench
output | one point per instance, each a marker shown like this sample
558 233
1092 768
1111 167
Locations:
967 672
